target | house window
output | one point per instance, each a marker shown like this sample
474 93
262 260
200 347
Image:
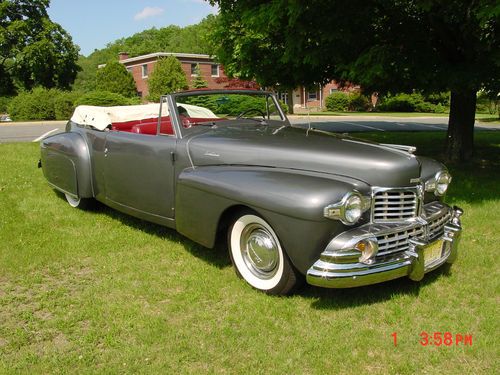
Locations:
193 69
333 90
283 96
144 70
312 95
215 70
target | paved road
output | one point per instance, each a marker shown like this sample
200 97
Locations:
352 124
34 131
29 131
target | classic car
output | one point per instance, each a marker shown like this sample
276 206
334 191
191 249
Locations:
293 202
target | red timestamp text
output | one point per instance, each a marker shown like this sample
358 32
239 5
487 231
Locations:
440 339
445 339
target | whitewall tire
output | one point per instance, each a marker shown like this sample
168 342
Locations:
258 256
77 202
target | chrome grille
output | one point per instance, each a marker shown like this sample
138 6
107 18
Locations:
393 242
392 205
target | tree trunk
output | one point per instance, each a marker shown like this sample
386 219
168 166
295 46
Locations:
460 137
290 101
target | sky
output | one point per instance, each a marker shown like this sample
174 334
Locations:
94 23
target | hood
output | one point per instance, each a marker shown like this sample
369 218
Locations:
296 148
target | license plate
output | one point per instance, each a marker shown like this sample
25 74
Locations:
433 252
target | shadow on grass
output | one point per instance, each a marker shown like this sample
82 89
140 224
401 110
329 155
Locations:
337 299
217 256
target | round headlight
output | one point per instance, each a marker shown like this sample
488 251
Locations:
443 180
353 209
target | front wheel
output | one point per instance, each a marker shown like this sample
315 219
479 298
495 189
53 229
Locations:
258 257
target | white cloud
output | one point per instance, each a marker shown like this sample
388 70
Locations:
148 12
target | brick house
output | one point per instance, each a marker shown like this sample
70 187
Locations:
142 66
305 99
213 73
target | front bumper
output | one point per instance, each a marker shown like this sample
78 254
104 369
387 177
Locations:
402 250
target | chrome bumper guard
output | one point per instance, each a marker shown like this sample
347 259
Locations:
402 254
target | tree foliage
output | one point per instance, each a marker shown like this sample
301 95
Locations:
384 45
198 82
114 77
189 39
166 77
34 51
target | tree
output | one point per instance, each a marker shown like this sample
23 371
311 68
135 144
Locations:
383 45
198 82
34 51
114 77
166 77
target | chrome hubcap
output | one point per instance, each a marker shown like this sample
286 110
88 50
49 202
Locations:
260 251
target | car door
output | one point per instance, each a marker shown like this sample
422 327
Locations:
139 174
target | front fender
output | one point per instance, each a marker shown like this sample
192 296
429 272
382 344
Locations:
291 201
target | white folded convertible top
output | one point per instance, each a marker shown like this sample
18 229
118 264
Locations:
101 117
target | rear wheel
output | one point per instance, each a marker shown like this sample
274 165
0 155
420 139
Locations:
78 202
258 256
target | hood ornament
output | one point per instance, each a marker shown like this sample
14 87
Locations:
408 149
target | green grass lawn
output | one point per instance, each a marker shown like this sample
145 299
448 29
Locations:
100 292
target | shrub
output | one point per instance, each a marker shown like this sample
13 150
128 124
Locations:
487 103
114 77
64 105
232 105
425 107
37 104
358 102
398 103
4 103
415 102
337 102
442 98
105 99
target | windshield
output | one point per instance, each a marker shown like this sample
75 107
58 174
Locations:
222 107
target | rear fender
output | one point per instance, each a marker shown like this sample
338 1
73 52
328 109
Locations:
66 164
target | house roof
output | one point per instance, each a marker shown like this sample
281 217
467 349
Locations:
165 54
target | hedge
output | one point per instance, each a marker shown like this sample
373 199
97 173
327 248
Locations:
414 102
105 99
37 104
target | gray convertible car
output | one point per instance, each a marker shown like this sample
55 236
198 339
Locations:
294 203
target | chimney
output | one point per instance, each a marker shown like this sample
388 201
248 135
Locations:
122 56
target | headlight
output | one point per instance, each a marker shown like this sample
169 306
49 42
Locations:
349 209
443 179
439 183
353 209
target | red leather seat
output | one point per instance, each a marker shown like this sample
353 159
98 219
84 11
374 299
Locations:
150 127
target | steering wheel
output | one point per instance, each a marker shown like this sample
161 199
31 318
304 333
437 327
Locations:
250 111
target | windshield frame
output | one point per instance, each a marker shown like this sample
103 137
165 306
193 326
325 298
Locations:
171 101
